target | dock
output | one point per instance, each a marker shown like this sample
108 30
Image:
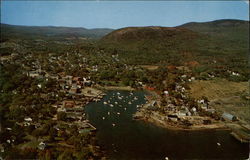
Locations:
240 132
92 127
240 137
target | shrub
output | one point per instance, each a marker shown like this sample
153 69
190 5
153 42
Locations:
61 116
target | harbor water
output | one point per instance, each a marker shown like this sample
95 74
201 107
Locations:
124 138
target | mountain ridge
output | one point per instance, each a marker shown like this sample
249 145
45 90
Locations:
97 33
14 30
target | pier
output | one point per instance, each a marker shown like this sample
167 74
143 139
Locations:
240 132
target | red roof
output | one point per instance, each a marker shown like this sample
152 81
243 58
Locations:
171 67
69 104
150 88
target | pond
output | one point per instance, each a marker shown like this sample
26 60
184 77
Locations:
124 138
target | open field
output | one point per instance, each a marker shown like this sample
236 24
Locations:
149 67
224 96
219 88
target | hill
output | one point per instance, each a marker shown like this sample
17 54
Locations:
226 39
218 26
149 38
13 31
146 45
146 33
202 42
228 30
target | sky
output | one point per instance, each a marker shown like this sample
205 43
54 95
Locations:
118 14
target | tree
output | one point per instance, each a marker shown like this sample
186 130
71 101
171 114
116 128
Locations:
52 133
61 116
126 81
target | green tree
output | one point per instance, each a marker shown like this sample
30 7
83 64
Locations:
61 116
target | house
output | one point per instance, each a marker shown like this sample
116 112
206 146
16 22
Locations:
171 67
192 78
66 87
182 113
228 116
68 104
184 76
79 86
207 121
28 119
77 80
41 146
149 88
166 93
172 117
152 105
211 110
75 110
69 79
202 101
87 83
61 74
62 85
33 74
192 64
74 91
194 109
61 110
54 77
39 86
95 68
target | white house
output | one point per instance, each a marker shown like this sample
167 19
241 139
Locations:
28 119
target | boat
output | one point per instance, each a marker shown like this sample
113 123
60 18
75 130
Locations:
103 118
129 103
108 113
105 103
113 124
118 113
218 144
111 105
116 102
135 98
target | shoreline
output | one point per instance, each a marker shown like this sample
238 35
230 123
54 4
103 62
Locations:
174 126
124 88
142 115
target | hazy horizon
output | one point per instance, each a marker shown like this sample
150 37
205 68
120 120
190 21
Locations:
115 28
119 14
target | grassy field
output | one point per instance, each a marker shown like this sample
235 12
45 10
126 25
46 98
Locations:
149 67
224 96
219 88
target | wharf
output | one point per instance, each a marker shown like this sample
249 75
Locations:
239 132
240 137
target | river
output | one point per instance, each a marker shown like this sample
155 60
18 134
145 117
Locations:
124 138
